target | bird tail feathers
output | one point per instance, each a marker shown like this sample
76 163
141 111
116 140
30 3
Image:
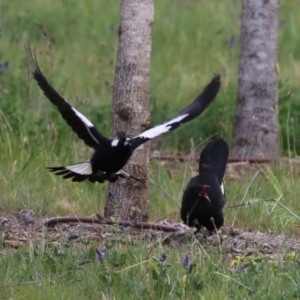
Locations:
215 156
78 172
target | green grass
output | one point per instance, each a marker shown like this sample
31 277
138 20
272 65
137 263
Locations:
190 44
136 272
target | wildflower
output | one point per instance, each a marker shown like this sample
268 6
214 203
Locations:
186 261
125 224
100 254
111 197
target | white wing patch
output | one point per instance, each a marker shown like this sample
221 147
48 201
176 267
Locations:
222 188
88 124
159 129
84 168
83 118
128 142
114 143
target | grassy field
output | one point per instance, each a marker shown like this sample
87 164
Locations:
76 43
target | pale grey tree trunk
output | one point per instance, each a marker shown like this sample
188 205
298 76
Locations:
128 199
256 127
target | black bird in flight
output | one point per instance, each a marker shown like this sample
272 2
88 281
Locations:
204 196
110 156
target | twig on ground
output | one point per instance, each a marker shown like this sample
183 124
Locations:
195 156
103 221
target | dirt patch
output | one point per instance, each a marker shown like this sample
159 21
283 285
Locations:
25 228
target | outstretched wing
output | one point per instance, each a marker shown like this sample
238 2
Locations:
187 114
77 121
215 156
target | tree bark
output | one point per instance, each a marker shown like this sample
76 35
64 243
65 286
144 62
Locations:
256 126
127 198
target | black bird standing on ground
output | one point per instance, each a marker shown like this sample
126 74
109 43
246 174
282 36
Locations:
204 197
110 155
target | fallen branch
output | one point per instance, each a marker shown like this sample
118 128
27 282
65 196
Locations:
103 221
184 157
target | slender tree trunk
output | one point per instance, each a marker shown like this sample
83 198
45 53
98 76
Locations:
128 199
256 127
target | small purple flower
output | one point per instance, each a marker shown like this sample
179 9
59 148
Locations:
100 254
163 257
124 224
186 261
111 197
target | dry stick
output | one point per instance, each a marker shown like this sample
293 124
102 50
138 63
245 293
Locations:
244 197
290 160
251 160
103 221
183 157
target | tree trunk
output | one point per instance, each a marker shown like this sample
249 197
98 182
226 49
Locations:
256 126
127 198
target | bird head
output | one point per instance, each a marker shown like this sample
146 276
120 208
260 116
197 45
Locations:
125 141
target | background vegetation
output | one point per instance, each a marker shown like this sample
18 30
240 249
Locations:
76 44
